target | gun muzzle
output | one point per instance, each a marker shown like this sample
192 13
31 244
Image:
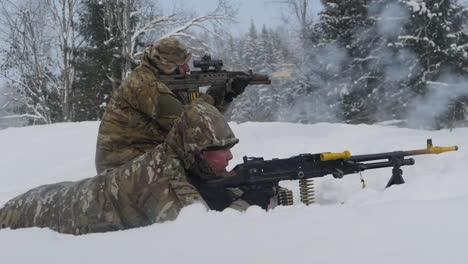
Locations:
259 79
431 149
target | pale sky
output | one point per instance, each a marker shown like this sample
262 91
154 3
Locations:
260 11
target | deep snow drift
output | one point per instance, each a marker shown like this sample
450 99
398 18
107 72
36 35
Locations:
422 221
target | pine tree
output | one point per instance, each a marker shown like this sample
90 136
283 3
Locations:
234 54
263 53
281 57
265 61
325 69
347 30
378 72
98 66
251 53
437 34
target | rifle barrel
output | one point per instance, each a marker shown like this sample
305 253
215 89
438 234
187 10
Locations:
386 164
346 155
259 79
431 150
378 156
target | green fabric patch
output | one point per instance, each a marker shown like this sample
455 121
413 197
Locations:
169 106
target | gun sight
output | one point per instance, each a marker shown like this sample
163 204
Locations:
206 62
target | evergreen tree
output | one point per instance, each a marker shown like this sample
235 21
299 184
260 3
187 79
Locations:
251 53
378 72
265 61
98 65
263 53
374 57
368 61
323 69
437 34
281 57
347 37
233 53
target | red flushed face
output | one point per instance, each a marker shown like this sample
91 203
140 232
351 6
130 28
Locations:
217 159
183 69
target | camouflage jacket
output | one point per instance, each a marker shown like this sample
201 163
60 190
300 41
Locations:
138 118
150 189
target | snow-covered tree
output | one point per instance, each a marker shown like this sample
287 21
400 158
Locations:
438 34
99 65
250 50
40 61
299 17
263 53
373 58
116 34
32 92
62 23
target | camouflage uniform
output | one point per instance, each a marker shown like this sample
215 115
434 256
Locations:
150 189
142 110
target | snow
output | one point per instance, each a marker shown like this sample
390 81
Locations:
422 221
417 6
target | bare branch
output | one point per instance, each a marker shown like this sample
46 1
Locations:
63 13
26 63
21 116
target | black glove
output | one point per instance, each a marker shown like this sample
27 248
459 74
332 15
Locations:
237 87
259 195
216 198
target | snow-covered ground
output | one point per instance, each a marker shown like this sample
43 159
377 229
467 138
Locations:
422 221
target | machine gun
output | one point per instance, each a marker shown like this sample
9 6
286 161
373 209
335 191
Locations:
258 173
187 86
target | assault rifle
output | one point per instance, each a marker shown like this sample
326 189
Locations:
259 173
211 74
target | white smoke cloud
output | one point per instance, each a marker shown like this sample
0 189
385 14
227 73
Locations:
425 109
391 19
319 103
401 66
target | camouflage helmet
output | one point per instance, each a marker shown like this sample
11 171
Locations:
168 53
200 127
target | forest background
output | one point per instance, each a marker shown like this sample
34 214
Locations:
401 62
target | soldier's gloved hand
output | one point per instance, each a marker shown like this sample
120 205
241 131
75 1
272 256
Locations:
218 93
216 198
258 196
237 87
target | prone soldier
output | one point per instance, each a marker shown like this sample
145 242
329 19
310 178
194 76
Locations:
152 188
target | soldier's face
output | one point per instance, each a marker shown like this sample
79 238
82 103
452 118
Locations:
183 69
217 159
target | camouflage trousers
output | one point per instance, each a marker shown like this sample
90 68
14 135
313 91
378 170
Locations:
150 189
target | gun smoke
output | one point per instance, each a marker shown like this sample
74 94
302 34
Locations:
328 75
424 110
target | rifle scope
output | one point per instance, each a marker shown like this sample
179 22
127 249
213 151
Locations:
206 62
